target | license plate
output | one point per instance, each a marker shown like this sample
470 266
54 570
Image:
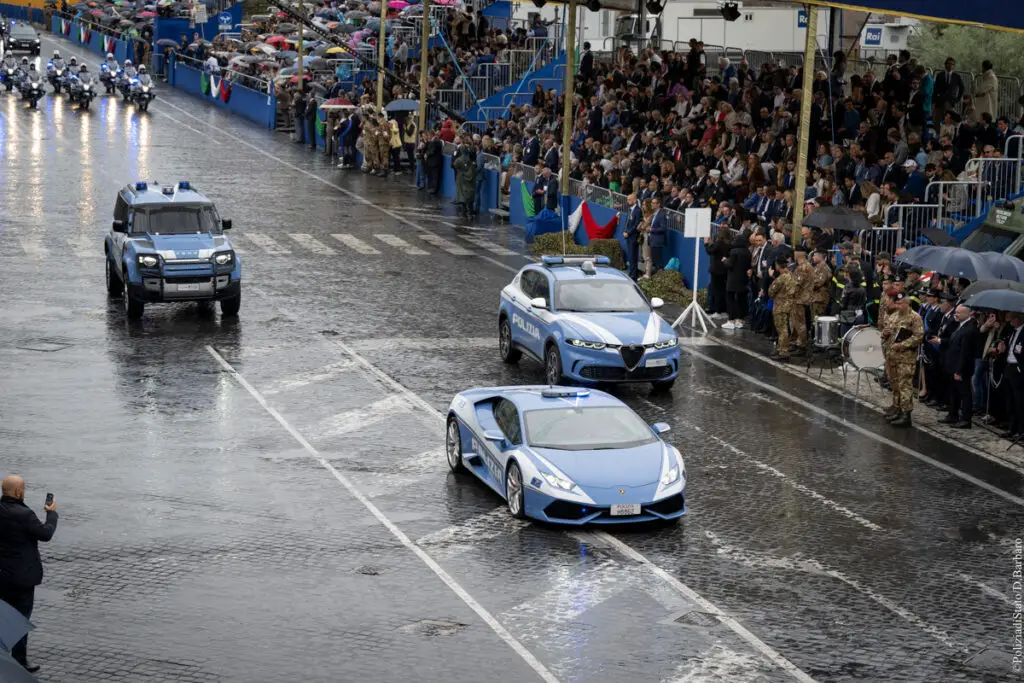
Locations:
625 509
189 287
656 362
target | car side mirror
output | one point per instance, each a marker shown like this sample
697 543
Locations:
657 302
494 435
118 226
539 302
225 224
660 427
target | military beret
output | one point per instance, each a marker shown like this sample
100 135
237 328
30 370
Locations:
917 269
896 295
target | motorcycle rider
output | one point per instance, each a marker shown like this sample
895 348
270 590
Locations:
73 66
10 61
84 75
57 61
129 69
112 63
144 77
32 76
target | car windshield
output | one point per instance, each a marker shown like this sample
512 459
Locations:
586 429
22 31
599 296
176 220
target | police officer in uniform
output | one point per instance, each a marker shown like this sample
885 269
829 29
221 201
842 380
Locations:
783 294
903 334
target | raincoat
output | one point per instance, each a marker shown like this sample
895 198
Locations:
465 175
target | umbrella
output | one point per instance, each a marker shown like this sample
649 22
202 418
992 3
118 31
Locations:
286 27
11 671
244 59
939 238
986 285
167 42
402 105
949 261
337 104
344 28
1003 266
146 15
276 41
356 14
337 51
998 299
295 79
838 217
320 51
398 4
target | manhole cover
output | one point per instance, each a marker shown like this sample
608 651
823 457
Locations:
369 570
433 627
43 346
702 619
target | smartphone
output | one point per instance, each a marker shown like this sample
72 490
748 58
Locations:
49 499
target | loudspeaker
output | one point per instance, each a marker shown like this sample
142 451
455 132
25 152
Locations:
730 11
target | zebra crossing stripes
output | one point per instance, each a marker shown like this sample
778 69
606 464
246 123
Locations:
356 244
488 245
267 244
399 243
444 245
311 243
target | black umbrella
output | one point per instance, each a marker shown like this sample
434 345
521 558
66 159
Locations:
997 300
939 238
167 42
949 261
839 218
12 672
986 285
1003 266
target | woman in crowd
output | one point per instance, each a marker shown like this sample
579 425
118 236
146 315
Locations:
647 211
718 249
737 281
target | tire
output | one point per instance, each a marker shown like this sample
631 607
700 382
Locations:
552 365
509 354
664 386
85 105
514 495
143 105
133 308
114 285
453 446
229 307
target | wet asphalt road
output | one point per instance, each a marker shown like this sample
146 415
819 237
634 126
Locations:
267 499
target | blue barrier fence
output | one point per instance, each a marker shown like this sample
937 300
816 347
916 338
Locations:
20 13
88 36
254 105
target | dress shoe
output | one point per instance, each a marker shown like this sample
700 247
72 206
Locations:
948 420
962 424
903 420
890 411
898 415
31 668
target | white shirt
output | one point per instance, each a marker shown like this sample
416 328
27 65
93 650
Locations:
1015 340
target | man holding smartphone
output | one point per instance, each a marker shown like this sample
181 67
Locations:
21 568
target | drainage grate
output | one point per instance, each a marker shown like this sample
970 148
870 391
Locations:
703 619
433 627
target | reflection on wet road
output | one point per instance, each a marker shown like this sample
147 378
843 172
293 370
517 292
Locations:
246 500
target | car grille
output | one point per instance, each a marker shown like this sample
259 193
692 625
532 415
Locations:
670 505
562 509
188 280
604 373
632 354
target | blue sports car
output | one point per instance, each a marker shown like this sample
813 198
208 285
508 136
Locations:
566 455
586 322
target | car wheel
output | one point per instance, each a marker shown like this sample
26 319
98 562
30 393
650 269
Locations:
229 307
453 446
133 308
114 284
509 354
553 365
514 491
666 385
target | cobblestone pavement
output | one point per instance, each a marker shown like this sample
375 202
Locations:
268 499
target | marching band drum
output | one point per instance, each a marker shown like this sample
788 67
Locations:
862 348
826 331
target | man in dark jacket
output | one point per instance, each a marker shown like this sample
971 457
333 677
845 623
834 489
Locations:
631 234
21 569
433 160
959 364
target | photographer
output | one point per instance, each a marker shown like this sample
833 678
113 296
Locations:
21 569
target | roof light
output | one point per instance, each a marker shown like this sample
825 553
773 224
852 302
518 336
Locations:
141 187
551 260
184 185
575 260
553 392
588 268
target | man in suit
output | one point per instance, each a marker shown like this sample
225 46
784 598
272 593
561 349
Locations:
531 150
433 160
631 233
586 63
949 90
1013 348
540 189
939 335
21 568
658 236
551 155
959 365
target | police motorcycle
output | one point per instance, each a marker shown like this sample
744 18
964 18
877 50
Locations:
32 86
11 72
70 73
142 90
55 69
110 73
124 81
83 88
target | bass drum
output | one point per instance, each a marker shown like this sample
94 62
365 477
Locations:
862 348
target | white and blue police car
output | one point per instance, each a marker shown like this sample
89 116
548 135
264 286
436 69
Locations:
586 322
167 244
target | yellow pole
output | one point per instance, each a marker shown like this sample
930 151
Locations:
570 86
810 48
424 51
302 83
381 41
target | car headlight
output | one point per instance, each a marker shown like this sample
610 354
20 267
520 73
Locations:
670 476
587 344
558 482
224 258
147 261
667 344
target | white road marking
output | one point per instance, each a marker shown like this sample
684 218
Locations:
768 469
442 243
267 244
807 405
452 584
306 378
467 535
31 242
987 590
399 243
360 418
489 246
311 243
356 244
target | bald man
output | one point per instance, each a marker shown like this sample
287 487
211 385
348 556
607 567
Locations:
21 568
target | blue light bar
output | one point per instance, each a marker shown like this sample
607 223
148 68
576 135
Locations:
141 186
551 260
575 260
184 185
553 392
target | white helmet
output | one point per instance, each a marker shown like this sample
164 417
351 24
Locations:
56 54
74 62
110 55
127 62
142 69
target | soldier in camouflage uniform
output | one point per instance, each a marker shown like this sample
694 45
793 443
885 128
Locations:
904 333
822 278
370 143
384 146
782 292
804 275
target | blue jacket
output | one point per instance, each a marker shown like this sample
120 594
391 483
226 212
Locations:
633 219
916 184
659 230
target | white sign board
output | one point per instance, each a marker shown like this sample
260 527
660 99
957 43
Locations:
200 16
698 223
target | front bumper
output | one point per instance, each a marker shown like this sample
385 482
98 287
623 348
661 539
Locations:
546 508
22 46
156 289
607 365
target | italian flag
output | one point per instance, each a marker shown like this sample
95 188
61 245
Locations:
65 27
84 34
215 87
595 230
527 199
108 43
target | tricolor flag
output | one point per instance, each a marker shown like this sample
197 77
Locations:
84 34
108 44
65 27
528 205
225 90
595 230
